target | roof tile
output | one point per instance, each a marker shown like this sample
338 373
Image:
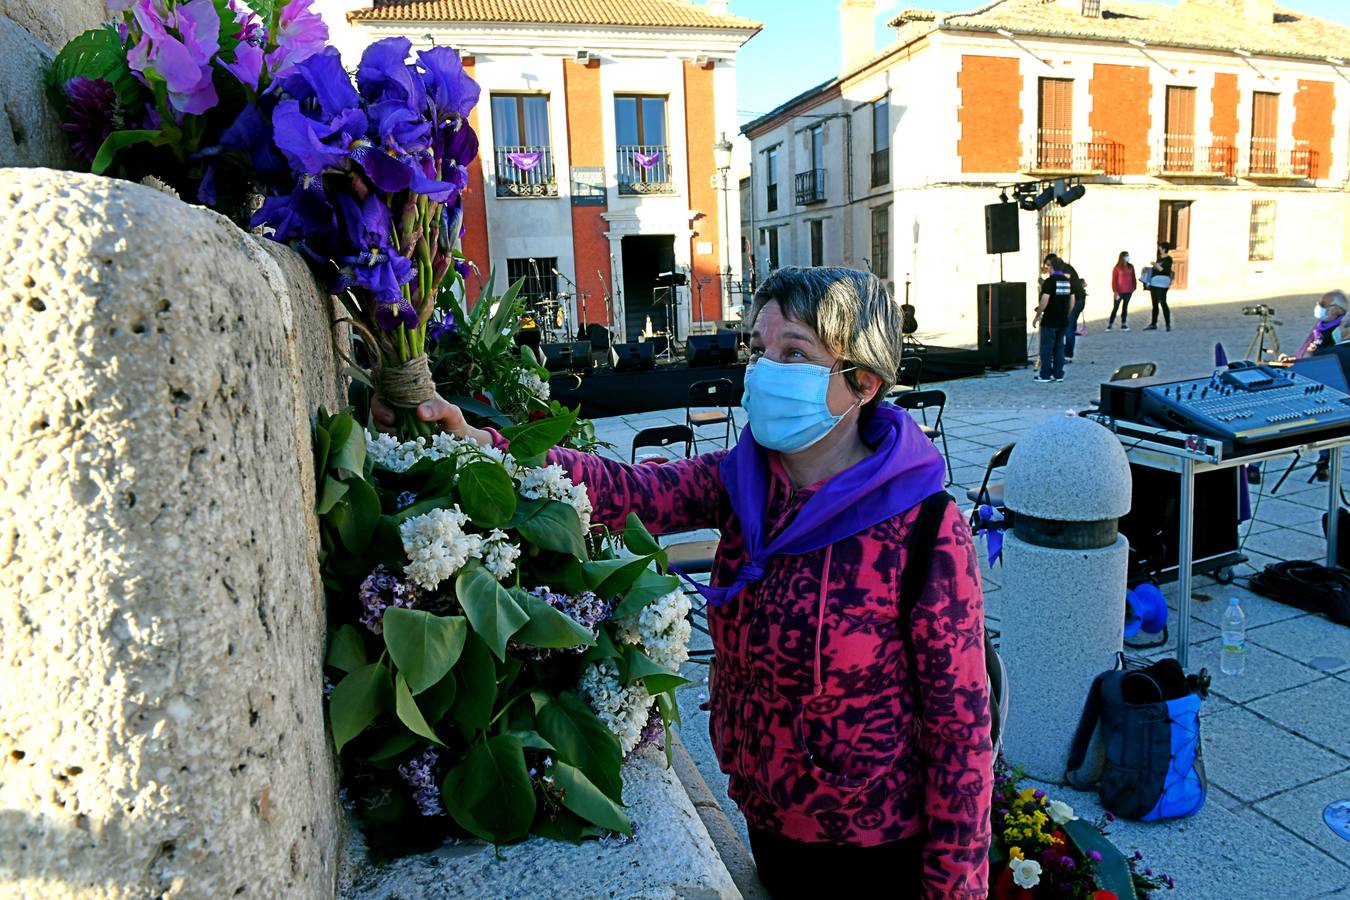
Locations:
634 13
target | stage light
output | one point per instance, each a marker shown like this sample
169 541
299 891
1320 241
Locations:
1064 195
1043 199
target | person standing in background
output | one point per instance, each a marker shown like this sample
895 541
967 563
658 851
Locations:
1078 290
1052 318
1158 283
1123 285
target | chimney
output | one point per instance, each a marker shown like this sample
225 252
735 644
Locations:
717 7
1251 12
857 32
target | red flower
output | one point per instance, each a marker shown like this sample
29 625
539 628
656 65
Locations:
483 398
537 414
1104 895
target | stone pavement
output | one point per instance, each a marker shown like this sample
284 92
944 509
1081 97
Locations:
1276 739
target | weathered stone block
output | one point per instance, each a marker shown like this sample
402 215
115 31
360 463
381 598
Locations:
55 21
30 131
161 617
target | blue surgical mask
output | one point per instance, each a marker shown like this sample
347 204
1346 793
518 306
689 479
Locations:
787 404
1319 311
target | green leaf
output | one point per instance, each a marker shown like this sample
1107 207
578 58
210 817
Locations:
408 713
363 514
396 744
586 800
487 494
532 739
96 53
423 645
555 526
665 704
638 666
647 588
348 454
321 444
566 576
120 140
604 648
475 685
357 700
537 438
262 7
638 539
483 410
506 309
612 577
346 650
489 794
1113 872
549 627
583 740
492 612
333 491
421 508
437 700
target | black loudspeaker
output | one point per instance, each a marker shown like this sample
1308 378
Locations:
636 356
1000 228
573 357
711 349
659 343
598 335
1002 323
1152 526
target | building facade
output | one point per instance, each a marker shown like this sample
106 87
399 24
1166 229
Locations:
1220 126
596 169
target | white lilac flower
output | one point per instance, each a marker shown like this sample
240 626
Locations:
624 710
500 555
1026 872
551 483
387 452
437 546
533 383
1060 812
662 628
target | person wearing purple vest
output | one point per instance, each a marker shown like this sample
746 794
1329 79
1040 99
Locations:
858 751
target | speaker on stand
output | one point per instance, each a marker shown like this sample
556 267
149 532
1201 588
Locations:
1002 322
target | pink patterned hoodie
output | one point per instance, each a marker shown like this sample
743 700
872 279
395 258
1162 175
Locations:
812 701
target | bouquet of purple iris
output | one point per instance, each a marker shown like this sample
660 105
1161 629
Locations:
179 91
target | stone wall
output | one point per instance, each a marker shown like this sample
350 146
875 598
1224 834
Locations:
161 617
55 21
30 131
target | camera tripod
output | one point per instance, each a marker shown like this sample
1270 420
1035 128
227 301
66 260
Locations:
1265 331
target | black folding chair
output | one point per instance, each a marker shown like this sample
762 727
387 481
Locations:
991 492
908 377
710 403
924 401
662 436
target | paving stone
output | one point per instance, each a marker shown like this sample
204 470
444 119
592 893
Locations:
1300 810
1259 610
1266 672
1316 711
1306 638
1283 512
1251 759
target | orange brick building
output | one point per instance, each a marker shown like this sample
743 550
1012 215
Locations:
597 126
1221 126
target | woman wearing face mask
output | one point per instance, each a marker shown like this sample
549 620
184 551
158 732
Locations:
1123 285
844 756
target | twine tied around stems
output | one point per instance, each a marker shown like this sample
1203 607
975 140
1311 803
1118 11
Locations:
404 386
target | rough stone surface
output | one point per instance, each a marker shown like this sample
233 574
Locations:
1070 469
161 617
1068 626
673 857
30 131
55 21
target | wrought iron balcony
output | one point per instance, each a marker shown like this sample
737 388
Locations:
1054 153
525 172
881 167
644 169
810 187
1267 161
1179 156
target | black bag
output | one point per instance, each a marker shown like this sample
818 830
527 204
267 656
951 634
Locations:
913 580
1306 585
1149 722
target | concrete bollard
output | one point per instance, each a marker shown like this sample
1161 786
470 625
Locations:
1067 484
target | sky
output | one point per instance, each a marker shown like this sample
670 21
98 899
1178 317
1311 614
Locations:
799 46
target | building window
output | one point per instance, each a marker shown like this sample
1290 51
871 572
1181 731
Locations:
881 242
1054 125
1261 234
817 242
643 151
1053 223
540 282
771 179
768 237
881 142
523 151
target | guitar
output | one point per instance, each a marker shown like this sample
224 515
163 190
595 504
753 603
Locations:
910 324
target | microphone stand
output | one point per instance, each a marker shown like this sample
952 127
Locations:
582 296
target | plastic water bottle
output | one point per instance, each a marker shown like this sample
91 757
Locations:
1233 656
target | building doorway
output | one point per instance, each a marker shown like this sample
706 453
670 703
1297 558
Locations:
1174 227
644 257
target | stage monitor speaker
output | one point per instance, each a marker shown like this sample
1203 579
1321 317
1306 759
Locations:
570 357
659 343
529 337
635 356
1153 524
1000 228
1002 323
599 337
711 350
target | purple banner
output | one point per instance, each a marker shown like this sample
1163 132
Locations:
525 162
647 161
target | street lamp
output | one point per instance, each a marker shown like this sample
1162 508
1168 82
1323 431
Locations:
722 159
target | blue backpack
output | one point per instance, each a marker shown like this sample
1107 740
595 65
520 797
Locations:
1149 723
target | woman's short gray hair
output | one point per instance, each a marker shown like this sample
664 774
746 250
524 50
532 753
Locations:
851 311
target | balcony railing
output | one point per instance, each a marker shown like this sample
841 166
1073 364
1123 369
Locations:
525 172
1179 156
1054 153
810 187
881 167
1265 160
645 169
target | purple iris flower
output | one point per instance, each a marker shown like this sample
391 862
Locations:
184 63
464 268
452 92
460 143
322 122
384 74
251 133
304 213
442 326
371 263
90 107
300 35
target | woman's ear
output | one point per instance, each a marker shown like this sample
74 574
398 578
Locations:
870 383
